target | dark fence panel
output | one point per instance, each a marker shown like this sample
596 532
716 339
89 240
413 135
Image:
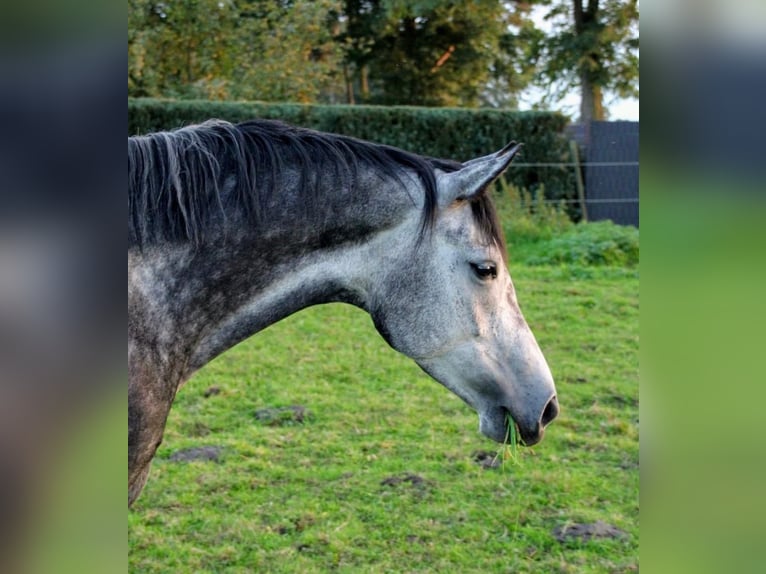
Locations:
611 171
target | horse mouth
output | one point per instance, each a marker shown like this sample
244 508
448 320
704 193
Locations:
530 438
496 424
493 423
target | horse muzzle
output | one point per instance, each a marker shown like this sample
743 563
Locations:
532 434
494 423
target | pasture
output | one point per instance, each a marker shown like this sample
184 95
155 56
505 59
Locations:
381 469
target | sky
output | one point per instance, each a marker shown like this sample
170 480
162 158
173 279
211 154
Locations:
619 108
624 110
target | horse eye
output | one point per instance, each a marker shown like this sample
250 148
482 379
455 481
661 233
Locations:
485 270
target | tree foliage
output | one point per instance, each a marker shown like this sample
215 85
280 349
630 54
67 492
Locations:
592 46
515 64
422 52
431 52
232 49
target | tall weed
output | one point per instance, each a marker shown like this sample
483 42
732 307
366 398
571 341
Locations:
540 232
527 217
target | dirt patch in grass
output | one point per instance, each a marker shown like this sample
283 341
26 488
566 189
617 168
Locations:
621 401
486 459
586 532
407 479
297 524
197 453
280 416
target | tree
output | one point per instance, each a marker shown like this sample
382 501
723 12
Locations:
291 54
421 52
180 47
515 61
593 47
272 50
430 52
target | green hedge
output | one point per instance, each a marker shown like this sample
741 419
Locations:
458 134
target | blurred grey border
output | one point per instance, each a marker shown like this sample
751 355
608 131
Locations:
704 88
703 266
62 314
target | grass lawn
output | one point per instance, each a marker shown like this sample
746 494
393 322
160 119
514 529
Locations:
381 476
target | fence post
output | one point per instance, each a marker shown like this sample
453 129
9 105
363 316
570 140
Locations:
578 178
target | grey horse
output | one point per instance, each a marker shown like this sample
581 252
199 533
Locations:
234 227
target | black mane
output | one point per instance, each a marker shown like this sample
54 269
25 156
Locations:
177 180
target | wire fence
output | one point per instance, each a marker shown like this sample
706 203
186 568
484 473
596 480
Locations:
605 160
605 168
600 200
582 164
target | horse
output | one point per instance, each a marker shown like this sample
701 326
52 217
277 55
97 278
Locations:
234 227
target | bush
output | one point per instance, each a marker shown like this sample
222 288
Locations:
599 243
458 134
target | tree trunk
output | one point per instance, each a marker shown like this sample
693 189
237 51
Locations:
591 99
364 87
591 96
349 81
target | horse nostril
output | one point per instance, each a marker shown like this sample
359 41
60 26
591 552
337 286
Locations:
550 412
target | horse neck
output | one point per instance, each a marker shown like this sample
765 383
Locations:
220 293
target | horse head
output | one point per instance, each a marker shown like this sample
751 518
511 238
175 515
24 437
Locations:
448 302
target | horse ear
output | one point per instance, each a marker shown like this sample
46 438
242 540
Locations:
475 175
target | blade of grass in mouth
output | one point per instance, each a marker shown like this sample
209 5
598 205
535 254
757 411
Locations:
510 448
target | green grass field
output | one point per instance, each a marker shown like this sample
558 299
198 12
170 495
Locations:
381 474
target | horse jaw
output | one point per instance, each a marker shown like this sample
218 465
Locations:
520 387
